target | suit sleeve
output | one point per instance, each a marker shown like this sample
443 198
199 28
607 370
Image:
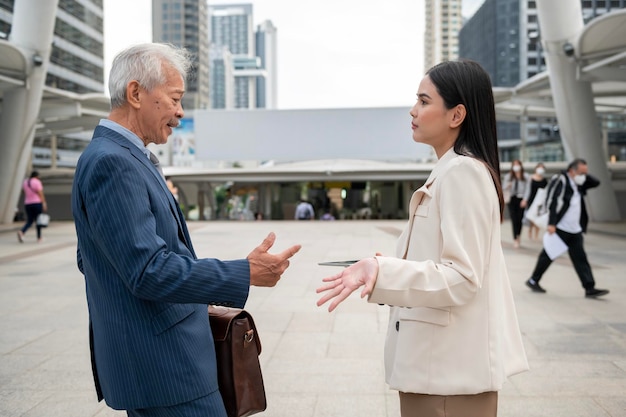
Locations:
466 199
122 216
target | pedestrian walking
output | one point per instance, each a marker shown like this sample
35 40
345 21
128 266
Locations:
34 204
568 219
514 187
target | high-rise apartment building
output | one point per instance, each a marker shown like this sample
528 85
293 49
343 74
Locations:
232 28
266 51
77 56
185 23
442 25
222 77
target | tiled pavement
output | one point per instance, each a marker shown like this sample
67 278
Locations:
318 364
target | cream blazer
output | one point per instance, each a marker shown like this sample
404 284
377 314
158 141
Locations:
453 328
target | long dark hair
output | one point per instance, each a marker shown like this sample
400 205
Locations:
466 82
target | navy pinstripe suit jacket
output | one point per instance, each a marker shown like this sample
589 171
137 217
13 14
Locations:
147 292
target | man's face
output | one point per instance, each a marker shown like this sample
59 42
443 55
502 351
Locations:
161 109
581 169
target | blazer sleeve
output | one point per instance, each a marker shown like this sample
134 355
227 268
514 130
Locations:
123 208
467 201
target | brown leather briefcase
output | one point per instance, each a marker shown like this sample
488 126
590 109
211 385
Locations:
237 347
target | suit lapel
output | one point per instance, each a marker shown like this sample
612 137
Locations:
183 233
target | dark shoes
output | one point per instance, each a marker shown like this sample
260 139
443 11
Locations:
591 293
595 292
534 285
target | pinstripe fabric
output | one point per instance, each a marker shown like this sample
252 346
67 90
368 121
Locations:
194 408
146 290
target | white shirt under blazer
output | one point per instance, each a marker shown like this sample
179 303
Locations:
453 328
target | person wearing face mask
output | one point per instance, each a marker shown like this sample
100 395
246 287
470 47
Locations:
515 182
568 219
535 182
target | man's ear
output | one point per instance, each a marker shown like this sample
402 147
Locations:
133 94
458 116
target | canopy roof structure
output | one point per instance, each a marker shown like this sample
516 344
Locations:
61 111
600 55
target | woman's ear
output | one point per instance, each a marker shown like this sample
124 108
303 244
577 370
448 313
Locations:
133 92
458 116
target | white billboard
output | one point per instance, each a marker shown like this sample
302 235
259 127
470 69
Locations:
301 135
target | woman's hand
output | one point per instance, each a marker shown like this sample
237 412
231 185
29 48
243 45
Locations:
338 287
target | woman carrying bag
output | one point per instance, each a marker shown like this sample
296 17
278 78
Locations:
536 182
34 203
515 182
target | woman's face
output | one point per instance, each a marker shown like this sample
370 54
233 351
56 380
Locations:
431 121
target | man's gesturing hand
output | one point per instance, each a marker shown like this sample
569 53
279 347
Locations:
265 268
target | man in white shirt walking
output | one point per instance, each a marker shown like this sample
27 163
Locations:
568 219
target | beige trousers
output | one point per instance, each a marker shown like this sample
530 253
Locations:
422 405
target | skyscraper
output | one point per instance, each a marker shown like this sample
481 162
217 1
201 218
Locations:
232 28
443 23
222 77
266 51
185 23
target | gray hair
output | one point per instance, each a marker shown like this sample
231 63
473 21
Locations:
144 63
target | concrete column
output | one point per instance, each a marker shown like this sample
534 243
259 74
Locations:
560 22
524 135
31 32
53 152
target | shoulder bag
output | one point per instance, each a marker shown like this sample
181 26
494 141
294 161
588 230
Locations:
538 212
237 348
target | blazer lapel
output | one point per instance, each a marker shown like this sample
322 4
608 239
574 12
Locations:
418 196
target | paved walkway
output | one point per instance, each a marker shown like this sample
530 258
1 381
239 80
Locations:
318 364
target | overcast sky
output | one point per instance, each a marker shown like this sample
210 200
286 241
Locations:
331 53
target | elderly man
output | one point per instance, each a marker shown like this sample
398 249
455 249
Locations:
147 292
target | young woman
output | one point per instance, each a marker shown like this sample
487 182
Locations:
34 203
535 182
515 182
453 336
